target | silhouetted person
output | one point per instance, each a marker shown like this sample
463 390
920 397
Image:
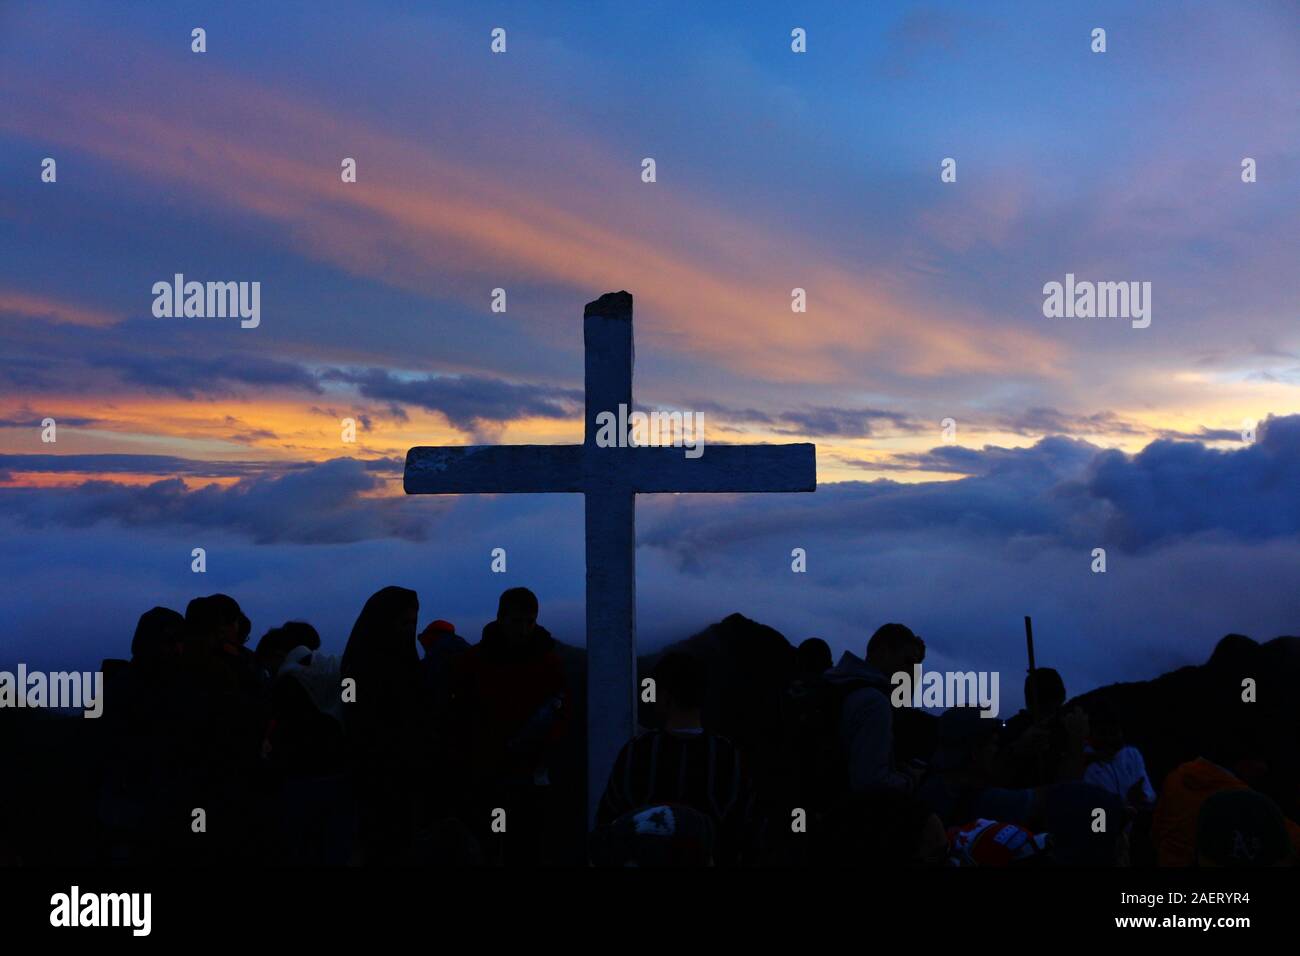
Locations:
303 741
138 752
150 679
159 634
1045 690
682 763
437 674
809 746
1113 764
959 783
1242 828
1231 763
384 722
866 721
219 732
276 642
442 649
305 747
812 658
155 647
1046 745
215 633
510 710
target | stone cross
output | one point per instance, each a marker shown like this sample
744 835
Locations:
610 478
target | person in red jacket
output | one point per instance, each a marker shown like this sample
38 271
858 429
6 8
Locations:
510 709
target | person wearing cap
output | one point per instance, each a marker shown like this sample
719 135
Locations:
866 722
442 645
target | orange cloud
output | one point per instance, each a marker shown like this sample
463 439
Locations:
14 302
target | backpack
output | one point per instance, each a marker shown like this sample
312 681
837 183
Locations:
814 764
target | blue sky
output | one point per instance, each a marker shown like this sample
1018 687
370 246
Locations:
775 170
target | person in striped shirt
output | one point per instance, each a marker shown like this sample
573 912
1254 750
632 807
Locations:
682 764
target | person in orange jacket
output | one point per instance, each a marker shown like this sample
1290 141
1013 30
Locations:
510 709
1186 788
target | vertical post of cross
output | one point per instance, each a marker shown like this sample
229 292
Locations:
611 545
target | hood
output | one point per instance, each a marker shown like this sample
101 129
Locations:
853 668
1203 775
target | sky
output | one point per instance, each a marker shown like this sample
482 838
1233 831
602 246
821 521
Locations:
774 170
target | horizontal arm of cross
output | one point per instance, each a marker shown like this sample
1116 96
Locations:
524 469
493 469
721 468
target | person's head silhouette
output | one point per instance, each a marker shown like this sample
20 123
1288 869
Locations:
813 656
680 684
517 615
895 648
1045 689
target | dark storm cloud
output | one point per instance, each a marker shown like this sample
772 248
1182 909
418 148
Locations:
1060 491
1053 458
1051 421
196 364
1175 489
1011 493
826 421
385 466
33 420
1202 434
316 504
27 373
821 421
189 363
466 400
365 420
199 363
133 464
189 376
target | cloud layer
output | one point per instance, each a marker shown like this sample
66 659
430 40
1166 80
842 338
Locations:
960 560
326 503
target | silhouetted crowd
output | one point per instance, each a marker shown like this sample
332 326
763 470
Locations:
421 748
